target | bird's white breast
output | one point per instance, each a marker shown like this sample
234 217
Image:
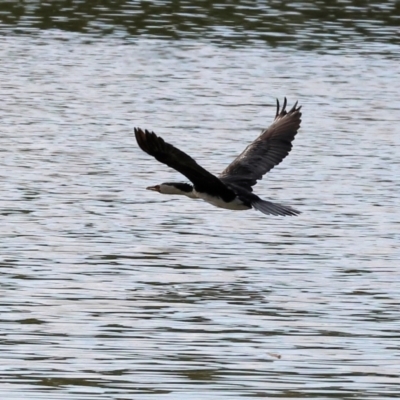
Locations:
235 204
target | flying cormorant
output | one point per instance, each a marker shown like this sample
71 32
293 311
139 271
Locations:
232 188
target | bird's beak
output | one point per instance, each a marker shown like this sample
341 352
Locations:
154 188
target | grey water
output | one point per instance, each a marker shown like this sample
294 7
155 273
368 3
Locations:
109 291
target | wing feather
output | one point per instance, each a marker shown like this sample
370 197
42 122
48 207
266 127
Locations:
268 150
167 154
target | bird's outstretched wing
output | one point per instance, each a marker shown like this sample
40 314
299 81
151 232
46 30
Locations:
164 152
268 150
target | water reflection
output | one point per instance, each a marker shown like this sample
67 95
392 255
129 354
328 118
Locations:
305 24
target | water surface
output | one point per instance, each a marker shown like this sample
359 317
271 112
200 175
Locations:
110 291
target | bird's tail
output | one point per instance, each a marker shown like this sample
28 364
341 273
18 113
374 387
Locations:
267 207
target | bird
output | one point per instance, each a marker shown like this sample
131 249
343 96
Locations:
233 188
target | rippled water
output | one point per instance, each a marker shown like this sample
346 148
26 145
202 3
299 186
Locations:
306 24
110 291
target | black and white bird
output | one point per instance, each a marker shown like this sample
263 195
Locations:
232 188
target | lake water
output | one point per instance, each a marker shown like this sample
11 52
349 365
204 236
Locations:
110 291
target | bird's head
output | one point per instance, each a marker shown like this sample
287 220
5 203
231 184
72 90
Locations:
184 189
